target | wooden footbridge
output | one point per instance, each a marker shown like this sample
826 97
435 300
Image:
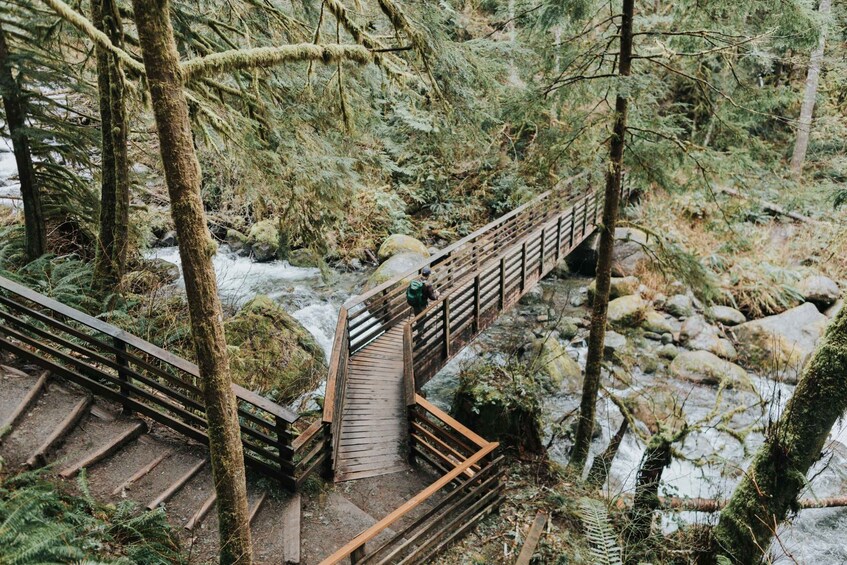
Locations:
374 420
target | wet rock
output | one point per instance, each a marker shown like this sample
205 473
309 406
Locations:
302 258
404 263
703 367
236 240
784 341
668 351
263 240
725 315
619 286
629 251
819 290
567 329
578 297
552 361
165 271
396 244
697 334
657 323
667 338
271 352
613 343
535 295
679 305
626 311
168 239
657 407
649 364
356 264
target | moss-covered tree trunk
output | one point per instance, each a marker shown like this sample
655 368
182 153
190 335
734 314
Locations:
35 227
597 335
656 457
769 488
182 174
110 259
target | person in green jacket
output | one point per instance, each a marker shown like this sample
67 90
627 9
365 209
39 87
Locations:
421 291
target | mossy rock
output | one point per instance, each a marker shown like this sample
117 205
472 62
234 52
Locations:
656 323
236 240
501 405
551 360
618 286
395 266
626 311
263 240
398 243
704 367
303 258
272 353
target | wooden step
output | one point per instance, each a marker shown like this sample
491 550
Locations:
101 453
24 404
64 427
175 487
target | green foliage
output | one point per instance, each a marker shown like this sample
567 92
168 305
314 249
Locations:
601 536
40 524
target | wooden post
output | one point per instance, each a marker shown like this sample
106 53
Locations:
502 282
447 328
120 358
559 239
281 427
573 221
476 305
523 266
541 254
596 203
584 215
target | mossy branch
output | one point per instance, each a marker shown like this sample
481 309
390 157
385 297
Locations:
101 39
239 59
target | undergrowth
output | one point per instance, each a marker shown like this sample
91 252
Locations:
41 524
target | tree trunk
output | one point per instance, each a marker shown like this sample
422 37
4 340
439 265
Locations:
804 128
657 456
599 471
34 223
597 335
777 474
110 260
182 174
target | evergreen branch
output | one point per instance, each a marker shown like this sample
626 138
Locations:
101 39
239 59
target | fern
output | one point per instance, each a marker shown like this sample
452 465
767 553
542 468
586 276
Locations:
599 532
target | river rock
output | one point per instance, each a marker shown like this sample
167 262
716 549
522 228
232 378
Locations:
626 311
613 343
691 328
679 305
619 286
236 240
567 328
703 367
783 341
167 240
263 240
697 334
395 266
578 297
271 352
534 295
551 359
667 351
397 243
819 290
725 315
657 323
165 271
302 258
833 310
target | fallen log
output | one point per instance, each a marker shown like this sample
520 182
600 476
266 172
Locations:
715 505
772 208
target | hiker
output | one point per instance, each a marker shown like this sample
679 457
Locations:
421 291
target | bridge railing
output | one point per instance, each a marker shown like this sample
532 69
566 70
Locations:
148 380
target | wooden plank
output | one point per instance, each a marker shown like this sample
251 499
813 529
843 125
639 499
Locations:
291 531
201 512
335 362
59 432
175 487
254 509
142 471
25 403
101 453
441 415
307 435
532 538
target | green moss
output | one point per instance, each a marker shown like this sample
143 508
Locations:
271 353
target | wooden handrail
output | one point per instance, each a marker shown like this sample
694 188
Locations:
453 423
407 507
335 359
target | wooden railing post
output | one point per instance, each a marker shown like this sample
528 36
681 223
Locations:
541 253
585 215
558 239
447 327
596 208
502 283
476 301
281 427
523 266
573 222
120 358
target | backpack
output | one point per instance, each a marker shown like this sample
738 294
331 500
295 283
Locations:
415 294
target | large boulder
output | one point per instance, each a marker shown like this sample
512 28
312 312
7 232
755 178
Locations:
696 333
165 271
782 342
272 353
819 290
236 240
302 258
658 323
263 240
703 367
394 267
552 361
626 311
679 305
619 286
627 256
397 244
725 315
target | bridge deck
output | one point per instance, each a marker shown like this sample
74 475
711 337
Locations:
374 432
